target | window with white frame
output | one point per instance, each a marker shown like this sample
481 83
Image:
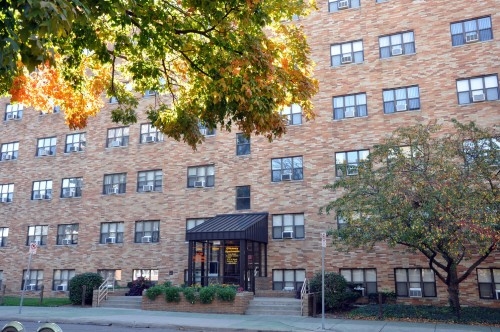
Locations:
75 142
347 163
293 114
33 280
346 53
205 131
488 281
242 144
13 112
470 31
61 279
150 134
486 149
147 231
114 184
396 44
242 197
349 106
336 5
415 282
112 275
341 221
287 169
191 223
46 146
111 232
71 187
37 234
477 89
288 280
363 280
10 151
42 190
150 181
201 176
6 192
401 99
117 137
148 274
67 234
4 235
288 226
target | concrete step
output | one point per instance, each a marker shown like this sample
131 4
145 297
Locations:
129 302
274 306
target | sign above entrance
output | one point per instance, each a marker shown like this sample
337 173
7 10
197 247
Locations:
232 255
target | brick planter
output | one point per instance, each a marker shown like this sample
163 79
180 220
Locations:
238 306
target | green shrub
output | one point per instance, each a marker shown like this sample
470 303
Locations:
387 297
338 295
226 293
190 294
89 279
207 294
172 294
155 291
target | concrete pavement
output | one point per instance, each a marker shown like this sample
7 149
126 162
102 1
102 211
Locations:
218 322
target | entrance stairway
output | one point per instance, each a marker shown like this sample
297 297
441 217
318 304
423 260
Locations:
274 306
124 302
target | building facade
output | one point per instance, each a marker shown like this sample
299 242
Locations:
127 202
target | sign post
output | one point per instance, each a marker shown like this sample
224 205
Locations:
33 247
323 246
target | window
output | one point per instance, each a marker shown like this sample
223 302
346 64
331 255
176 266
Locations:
488 281
115 184
397 44
10 151
476 89
4 234
150 181
288 226
1 279
61 279
336 5
111 232
341 221
205 131
289 280
471 31
149 93
150 134
117 137
293 113
242 145
349 106
42 190
346 163
401 99
363 280
13 112
111 275
285 169
75 142
415 282
148 274
345 53
243 198
67 234
33 280
487 149
147 231
37 234
71 187
113 100
46 146
6 192
191 223
201 176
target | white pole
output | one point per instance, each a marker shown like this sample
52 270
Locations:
323 288
25 281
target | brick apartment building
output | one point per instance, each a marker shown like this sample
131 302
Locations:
126 202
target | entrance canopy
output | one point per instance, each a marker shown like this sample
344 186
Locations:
244 226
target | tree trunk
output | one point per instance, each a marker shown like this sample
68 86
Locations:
453 285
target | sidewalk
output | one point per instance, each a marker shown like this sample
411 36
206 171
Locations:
218 322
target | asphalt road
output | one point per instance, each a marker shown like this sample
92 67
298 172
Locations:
33 327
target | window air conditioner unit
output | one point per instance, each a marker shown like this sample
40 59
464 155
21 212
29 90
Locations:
10 116
415 292
470 38
3 199
73 148
343 4
113 190
346 59
349 113
44 152
8 156
37 196
199 184
147 188
31 287
146 239
286 177
397 51
150 139
478 97
66 241
115 143
47 196
61 287
287 235
110 240
401 107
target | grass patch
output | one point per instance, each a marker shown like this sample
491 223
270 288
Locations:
35 302
469 315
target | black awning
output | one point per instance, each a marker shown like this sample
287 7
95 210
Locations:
245 226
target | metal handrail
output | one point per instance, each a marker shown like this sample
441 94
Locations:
102 294
303 292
